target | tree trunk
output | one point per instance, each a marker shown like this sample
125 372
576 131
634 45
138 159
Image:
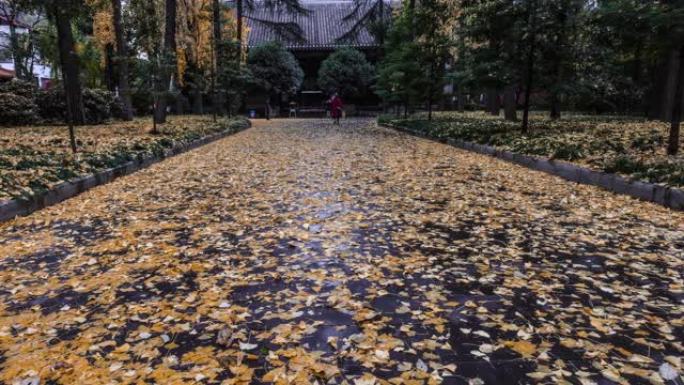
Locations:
214 97
121 61
70 67
638 63
217 100
19 68
33 58
267 109
197 102
528 93
658 78
72 131
381 34
217 27
228 103
412 14
530 64
238 33
461 100
493 102
662 93
109 73
510 105
669 89
555 112
673 143
169 61
179 109
10 12
155 98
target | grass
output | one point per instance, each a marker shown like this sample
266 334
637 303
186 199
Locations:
625 145
34 159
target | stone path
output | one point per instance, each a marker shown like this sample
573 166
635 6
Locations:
299 252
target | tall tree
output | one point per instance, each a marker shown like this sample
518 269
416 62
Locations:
196 50
239 15
146 21
167 61
433 44
398 71
626 57
62 13
489 34
416 54
561 21
122 61
217 102
233 77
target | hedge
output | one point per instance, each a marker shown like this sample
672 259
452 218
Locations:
21 104
16 110
99 105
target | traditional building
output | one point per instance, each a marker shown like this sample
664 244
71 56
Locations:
327 26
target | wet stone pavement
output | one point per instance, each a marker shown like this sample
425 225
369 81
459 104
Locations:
298 252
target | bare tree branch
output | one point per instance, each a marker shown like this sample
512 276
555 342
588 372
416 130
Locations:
285 30
364 14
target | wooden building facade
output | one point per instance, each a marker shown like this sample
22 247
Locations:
325 28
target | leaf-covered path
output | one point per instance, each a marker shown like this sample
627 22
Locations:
299 252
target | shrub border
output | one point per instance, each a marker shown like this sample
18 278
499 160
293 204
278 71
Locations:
10 209
670 197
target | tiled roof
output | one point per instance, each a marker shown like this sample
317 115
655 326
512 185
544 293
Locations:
322 27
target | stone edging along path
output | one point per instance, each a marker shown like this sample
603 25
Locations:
667 196
10 209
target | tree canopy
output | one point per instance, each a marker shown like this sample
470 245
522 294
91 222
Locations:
346 71
274 69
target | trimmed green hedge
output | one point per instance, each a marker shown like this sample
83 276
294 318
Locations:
99 105
16 110
17 106
19 87
22 104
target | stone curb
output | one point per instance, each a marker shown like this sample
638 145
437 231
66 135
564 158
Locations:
10 209
670 197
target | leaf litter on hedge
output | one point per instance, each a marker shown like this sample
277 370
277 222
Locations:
631 146
35 159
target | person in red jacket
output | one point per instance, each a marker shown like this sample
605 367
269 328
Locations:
336 108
